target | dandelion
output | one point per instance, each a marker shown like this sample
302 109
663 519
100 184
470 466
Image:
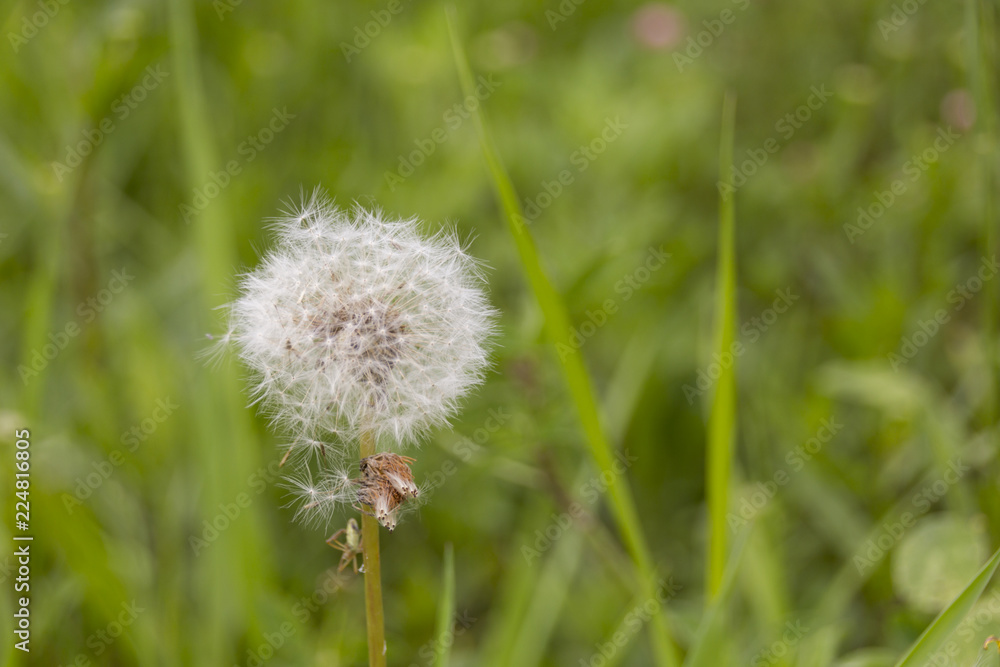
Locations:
356 323
361 335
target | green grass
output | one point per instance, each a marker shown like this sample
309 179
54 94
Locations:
948 621
711 646
722 419
558 328
446 611
597 354
982 48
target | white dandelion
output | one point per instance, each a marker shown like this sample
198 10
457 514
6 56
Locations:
355 323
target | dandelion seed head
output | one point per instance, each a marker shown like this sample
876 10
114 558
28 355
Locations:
353 321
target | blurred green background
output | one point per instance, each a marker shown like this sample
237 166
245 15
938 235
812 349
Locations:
143 145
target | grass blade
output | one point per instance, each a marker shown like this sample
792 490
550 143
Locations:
446 612
237 562
948 620
709 646
722 420
981 29
546 608
558 329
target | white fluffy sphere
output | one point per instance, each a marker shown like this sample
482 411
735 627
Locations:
356 323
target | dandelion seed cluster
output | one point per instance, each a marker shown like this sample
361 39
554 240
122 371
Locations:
355 323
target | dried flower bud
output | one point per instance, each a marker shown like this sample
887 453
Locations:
394 468
386 483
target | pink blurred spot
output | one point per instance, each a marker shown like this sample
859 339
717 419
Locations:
658 26
959 109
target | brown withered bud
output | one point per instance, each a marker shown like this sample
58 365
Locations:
386 482
392 467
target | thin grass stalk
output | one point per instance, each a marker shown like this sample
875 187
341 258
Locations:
374 613
722 420
981 27
446 610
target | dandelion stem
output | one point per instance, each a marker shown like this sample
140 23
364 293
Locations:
374 615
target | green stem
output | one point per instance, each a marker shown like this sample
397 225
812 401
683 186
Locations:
374 615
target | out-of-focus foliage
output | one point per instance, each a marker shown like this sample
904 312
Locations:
143 146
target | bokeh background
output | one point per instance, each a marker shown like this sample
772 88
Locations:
143 145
